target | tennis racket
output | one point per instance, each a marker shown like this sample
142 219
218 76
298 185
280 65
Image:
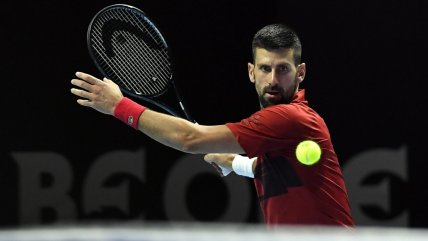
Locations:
129 49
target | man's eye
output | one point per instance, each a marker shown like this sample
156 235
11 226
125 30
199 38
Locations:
283 69
265 68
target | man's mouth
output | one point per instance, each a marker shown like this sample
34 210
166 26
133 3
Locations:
272 94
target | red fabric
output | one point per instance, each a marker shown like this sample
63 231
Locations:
290 192
128 112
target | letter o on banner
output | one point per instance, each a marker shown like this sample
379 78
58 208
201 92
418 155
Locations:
180 178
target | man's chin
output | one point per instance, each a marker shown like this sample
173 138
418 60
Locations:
266 103
271 102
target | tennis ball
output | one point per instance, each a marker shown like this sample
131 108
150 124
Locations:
308 152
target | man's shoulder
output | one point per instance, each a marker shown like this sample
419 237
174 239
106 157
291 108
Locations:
290 108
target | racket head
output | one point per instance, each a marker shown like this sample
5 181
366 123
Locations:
128 48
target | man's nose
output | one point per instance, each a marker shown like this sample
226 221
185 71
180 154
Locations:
273 77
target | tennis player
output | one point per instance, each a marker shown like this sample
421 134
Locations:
289 192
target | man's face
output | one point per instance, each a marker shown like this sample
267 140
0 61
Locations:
275 76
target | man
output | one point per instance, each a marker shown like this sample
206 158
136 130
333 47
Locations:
289 192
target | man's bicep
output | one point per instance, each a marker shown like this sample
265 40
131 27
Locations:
219 139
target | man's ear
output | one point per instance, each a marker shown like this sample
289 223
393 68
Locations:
301 72
251 72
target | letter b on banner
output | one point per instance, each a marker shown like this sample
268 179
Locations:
45 181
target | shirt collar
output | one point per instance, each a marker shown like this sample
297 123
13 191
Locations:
299 96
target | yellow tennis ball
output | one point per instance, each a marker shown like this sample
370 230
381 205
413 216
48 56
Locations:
308 152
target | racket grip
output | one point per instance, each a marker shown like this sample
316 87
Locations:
128 112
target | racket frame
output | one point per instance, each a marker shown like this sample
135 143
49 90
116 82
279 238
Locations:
148 98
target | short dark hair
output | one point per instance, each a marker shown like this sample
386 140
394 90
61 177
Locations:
277 36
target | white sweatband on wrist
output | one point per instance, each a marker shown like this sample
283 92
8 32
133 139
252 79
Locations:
243 166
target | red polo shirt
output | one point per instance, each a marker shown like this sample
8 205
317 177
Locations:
290 192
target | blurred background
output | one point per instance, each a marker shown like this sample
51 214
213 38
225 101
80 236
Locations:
63 163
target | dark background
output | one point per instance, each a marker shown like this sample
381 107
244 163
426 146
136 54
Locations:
366 77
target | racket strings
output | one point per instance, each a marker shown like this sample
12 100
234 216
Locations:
114 71
138 66
111 70
162 65
117 69
133 63
125 54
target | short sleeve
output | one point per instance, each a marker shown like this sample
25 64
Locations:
268 130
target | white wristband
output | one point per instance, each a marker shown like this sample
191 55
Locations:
243 166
